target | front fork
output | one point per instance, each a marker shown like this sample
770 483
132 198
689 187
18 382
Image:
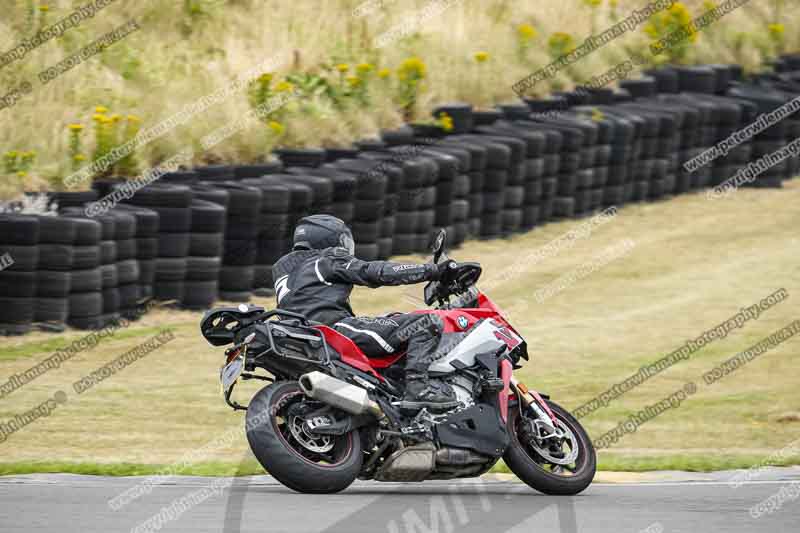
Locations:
534 400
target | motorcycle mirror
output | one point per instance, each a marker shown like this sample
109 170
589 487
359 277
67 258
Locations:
438 244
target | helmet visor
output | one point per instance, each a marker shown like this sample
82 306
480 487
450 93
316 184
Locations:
346 240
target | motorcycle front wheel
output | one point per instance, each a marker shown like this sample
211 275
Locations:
555 466
302 461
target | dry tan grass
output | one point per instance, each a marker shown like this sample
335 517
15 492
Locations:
177 58
695 264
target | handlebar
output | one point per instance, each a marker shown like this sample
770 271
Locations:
456 279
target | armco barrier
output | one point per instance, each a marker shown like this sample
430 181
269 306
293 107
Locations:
214 232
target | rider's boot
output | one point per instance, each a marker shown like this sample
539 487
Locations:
421 392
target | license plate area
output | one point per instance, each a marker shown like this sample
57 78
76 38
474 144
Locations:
230 373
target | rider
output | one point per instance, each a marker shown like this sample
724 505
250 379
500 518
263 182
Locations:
316 278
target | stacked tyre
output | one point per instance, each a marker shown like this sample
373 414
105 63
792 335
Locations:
109 275
283 203
86 280
343 190
19 259
460 186
593 176
554 150
733 116
172 203
688 137
698 139
129 273
574 141
132 293
476 175
627 128
205 254
369 204
513 193
532 168
54 281
237 274
666 159
401 212
495 180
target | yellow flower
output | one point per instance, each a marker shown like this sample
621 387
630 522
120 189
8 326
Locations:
560 43
343 67
593 3
76 127
12 154
353 81
79 157
98 117
363 68
384 73
612 3
776 31
446 121
481 57
133 118
22 173
284 87
276 127
708 5
265 78
412 69
116 118
100 109
526 32
44 8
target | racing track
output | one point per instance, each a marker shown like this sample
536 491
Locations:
65 503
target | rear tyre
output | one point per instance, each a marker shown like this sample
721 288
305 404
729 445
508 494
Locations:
309 464
537 471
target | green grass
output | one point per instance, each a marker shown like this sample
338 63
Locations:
685 463
52 345
213 468
251 468
696 263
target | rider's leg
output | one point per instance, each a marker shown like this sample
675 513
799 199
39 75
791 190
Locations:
420 335
424 334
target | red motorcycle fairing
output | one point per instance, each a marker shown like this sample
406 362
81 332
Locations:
352 355
455 321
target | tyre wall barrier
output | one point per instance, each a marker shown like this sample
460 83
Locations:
214 232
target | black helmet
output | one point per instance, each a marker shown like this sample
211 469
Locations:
318 232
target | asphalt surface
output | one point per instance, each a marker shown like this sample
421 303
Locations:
66 503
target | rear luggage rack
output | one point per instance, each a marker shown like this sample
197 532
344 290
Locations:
307 333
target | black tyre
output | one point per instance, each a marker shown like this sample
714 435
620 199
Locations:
89 280
53 284
18 284
20 230
538 467
322 465
26 258
51 309
206 244
173 244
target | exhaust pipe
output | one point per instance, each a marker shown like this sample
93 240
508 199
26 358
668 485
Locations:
339 394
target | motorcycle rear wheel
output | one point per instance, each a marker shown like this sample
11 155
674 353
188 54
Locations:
304 463
547 477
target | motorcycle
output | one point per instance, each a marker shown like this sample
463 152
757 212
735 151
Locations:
330 414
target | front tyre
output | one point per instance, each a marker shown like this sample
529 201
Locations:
303 462
557 466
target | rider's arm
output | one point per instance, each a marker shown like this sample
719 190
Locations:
339 266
